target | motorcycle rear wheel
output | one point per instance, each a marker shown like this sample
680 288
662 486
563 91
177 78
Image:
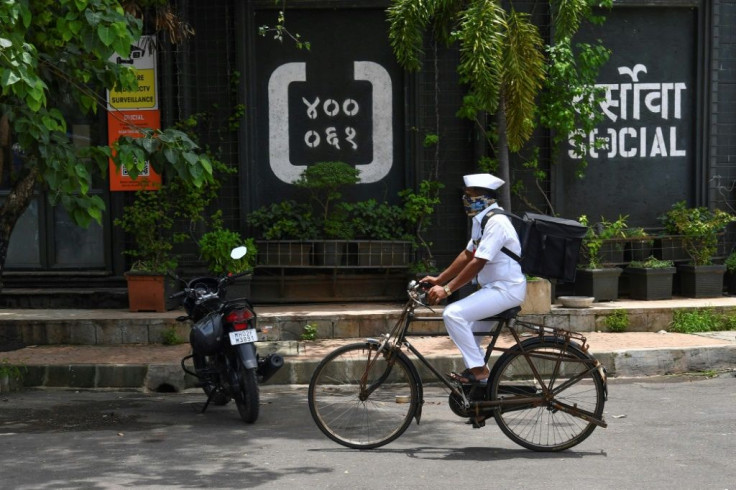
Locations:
248 398
204 363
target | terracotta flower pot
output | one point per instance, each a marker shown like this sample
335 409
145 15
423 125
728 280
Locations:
146 291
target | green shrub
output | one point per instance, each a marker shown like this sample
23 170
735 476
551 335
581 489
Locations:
12 371
700 320
597 235
618 321
171 337
310 332
651 263
286 220
699 228
325 182
372 220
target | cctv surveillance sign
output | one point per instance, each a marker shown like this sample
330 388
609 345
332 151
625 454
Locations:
128 111
142 59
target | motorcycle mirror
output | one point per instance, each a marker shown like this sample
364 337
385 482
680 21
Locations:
238 252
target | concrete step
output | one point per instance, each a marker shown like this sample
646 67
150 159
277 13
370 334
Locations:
287 322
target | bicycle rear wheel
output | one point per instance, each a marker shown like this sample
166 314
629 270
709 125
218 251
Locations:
571 393
359 399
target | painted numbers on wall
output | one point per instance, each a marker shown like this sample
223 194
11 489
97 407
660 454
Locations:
634 104
332 122
331 108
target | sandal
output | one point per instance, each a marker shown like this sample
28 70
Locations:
467 377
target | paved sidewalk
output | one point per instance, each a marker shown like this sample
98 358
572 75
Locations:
156 367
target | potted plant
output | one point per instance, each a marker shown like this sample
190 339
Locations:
698 228
215 247
149 221
650 279
596 277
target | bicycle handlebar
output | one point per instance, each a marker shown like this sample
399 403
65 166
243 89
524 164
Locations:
417 292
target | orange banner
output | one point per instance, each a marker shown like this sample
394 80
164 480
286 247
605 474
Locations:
125 123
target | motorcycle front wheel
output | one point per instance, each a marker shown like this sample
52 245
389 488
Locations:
247 398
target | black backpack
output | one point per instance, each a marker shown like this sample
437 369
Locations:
549 246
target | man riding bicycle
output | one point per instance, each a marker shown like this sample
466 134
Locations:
501 284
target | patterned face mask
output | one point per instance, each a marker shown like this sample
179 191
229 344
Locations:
474 205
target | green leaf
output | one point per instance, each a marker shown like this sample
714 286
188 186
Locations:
105 34
149 144
25 14
190 157
93 18
171 156
8 77
206 164
522 77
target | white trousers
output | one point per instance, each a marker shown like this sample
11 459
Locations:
462 318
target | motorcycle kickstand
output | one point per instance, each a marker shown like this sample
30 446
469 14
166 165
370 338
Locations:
209 399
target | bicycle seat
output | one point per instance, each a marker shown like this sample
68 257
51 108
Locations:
504 315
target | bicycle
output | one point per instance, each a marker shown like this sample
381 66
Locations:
546 393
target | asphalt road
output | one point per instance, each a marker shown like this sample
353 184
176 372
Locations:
668 433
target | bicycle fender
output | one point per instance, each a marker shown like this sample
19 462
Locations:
553 340
417 380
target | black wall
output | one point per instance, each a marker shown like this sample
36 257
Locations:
691 156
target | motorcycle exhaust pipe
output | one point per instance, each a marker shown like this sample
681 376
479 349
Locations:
267 366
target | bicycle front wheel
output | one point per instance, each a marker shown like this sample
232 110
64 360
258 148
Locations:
361 399
566 388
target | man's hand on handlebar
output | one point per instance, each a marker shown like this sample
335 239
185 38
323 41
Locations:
436 294
429 279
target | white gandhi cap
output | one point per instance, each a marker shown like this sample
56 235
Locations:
486 181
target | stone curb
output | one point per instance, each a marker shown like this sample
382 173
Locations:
170 377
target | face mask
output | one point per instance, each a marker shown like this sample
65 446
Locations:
474 205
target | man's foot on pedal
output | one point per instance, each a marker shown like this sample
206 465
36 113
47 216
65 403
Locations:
476 375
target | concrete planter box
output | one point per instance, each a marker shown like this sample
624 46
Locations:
701 281
650 284
602 284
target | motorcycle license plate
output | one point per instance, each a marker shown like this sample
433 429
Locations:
243 336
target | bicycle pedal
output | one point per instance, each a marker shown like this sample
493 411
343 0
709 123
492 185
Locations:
477 424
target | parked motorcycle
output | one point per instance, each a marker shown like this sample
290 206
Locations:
223 337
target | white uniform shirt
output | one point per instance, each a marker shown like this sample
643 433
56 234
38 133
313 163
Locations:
498 233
